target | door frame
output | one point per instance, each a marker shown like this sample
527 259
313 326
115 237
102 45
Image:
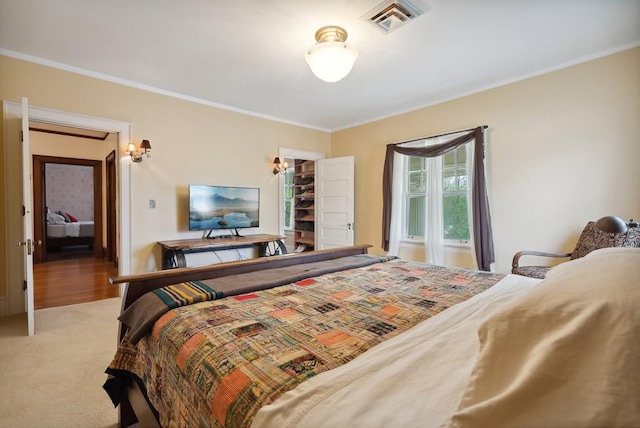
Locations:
14 302
111 207
39 201
285 152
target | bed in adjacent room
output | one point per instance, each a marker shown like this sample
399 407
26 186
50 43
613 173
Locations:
64 230
343 338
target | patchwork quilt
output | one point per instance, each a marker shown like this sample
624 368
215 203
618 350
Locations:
215 363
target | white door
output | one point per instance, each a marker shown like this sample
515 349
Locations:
27 243
334 202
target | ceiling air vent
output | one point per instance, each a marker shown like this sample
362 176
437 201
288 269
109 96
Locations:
391 15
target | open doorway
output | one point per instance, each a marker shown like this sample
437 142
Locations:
17 298
296 197
67 208
70 196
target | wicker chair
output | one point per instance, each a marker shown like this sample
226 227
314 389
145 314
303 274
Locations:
591 239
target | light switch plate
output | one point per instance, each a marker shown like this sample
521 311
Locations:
152 203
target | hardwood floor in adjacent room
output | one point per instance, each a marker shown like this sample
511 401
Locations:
71 279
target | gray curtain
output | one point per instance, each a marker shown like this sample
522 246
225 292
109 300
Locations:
481 220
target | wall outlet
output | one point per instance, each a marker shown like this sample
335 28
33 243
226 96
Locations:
152 203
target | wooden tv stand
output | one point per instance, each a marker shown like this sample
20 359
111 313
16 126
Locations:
173 252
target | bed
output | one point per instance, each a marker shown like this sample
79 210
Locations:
351 339
63 231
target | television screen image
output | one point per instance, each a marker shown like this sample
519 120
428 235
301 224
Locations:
223 207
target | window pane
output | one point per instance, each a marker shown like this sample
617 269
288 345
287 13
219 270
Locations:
416 182
461 155
287 214
288 198
456 218
415 216
449 159
463 183
448 180
415 163
288 175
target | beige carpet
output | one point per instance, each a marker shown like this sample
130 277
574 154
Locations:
54 379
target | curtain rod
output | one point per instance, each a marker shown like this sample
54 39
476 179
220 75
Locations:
441 135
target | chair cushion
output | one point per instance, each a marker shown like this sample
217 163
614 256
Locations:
593 239
632 238
532 271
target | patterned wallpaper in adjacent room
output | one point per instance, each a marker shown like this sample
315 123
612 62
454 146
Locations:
70 189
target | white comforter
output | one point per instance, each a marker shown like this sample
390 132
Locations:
74 229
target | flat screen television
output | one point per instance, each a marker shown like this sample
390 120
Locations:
223 207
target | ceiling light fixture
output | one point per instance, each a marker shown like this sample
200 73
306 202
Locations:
331 59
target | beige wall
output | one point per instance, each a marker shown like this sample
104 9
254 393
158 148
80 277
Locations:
192 143
563 149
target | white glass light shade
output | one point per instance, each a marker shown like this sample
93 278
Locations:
331 61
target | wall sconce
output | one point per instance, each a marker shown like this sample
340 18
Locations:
279 167
145 148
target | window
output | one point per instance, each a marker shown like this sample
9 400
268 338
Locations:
415 197
288 198
454 196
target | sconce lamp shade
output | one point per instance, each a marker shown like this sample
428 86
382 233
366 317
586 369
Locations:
279 167
331 59
136 156
611 224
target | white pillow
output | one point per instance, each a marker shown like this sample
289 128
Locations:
53 218
565 355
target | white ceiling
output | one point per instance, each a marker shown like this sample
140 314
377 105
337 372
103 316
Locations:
248 55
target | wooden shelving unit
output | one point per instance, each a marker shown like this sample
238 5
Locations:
304 194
